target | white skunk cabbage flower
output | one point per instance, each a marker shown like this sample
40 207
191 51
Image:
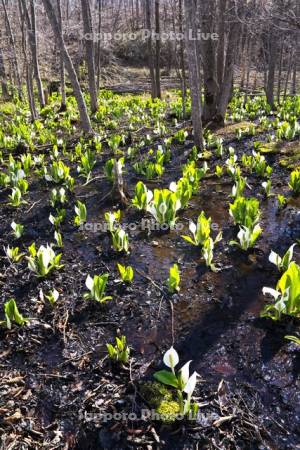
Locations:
171 358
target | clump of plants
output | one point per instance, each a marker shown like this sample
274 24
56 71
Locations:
181 381
96 287
120 352
43 261
286 295
12 315
295 181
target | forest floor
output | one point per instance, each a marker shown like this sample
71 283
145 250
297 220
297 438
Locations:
56 379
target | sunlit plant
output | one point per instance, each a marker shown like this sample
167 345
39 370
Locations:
164 206
174 279
13 254
181 381
97 287
58 239
219 171
81 214
294 183
16 197
120 241
120 352
43 261
282 201
247 237
207 251
143 196
286 295
12 315
200 231
282 263
267 187
58 218
18 229
87 163
112 219
52 296
183 190
239 187
245 211
57 196
126 273
194 174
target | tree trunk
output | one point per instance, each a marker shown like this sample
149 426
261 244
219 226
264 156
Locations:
15 64
288 73
27 63
89 52
182 62
33 48
157 48
4 89
272 67
211 88
84 118
150 49
63 105
194 73
226 90
98 48
221 42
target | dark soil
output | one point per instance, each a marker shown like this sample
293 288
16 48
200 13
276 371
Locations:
55 376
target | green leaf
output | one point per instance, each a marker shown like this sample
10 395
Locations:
165 377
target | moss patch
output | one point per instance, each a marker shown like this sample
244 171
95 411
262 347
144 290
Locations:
168 411
8 108
206 155
230 130
270 147
161 399
291 152
154 393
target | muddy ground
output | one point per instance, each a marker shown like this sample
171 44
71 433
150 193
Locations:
55 375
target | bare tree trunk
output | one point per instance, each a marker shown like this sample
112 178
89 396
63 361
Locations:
157 48
15 64
4 89
248 70
33 47
98 49
89 52
194 73
279 73
63 105
221 41
294 82
226 90
31 30
27 64
288 73
150 49
272 67
84 118
182 62
211 87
